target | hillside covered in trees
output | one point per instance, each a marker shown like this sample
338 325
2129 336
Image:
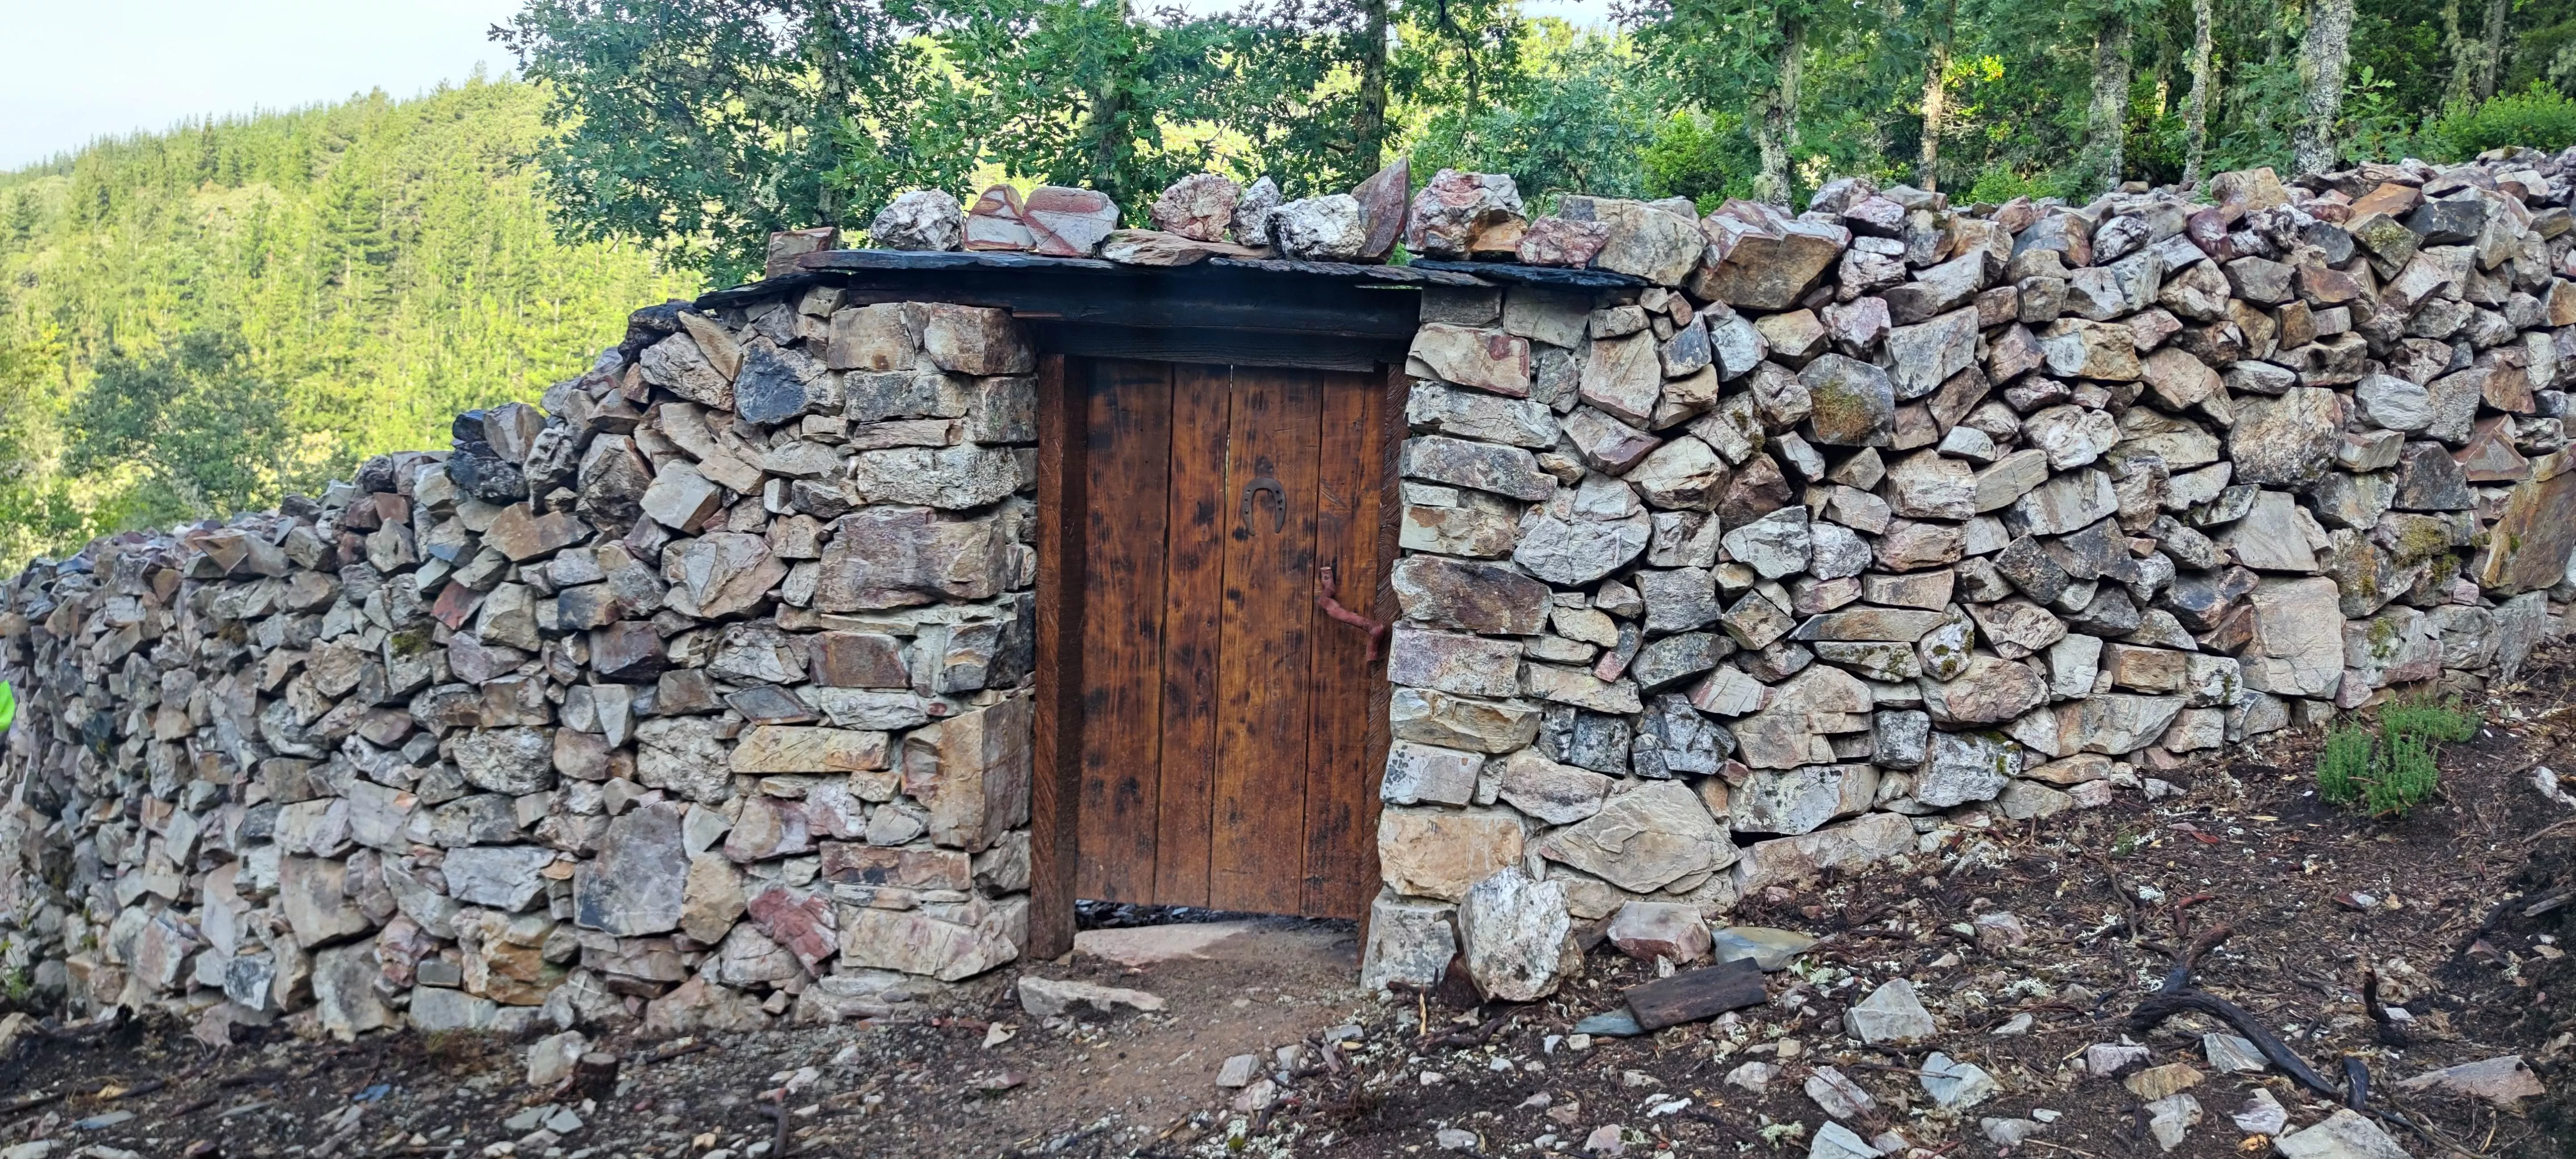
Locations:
194 322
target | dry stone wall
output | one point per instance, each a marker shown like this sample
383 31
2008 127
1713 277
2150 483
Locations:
1853 532
699 697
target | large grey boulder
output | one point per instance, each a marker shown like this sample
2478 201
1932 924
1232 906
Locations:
2289 441
1644 839
1410 940
1516 936
1851 403
634 887
924 219
1320 229
1967 766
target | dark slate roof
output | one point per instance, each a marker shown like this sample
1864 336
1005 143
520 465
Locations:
1281 297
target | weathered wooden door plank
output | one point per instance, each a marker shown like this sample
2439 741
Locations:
1264 671
1202 408
1055 850
1128 455
1339 788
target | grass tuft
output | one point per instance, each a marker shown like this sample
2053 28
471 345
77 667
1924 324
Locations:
2388 773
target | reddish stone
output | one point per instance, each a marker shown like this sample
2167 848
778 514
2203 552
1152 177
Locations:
1069 223
787 245
768 828
521 534
2390 198
801 923
456 604
1556 241
1758 489
1198 207
1875 216
996 223
2507 387
908 868
2490 457
1499 242
1382 201
629 650
1453 206
2208 230
859 660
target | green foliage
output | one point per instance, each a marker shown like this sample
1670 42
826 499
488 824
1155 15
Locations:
2000 184
700 126
2539 116
2390 773
2376 126
206 434
1702 156
1574 125
193 322
1075 92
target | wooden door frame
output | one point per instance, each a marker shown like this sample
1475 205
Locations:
1055 799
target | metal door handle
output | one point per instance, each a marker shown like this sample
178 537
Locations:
1278 499
1327 597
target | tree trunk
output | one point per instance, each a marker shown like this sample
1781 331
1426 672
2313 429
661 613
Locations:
2491 59
1775 127
2110 114
1370 131
827 52
1936 101
2323 55
2196 109
2464 69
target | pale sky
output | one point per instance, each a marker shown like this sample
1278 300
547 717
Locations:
93 68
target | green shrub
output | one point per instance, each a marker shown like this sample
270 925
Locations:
2001 184
2539 116
2448 723
2390 773
2345 764
2408 780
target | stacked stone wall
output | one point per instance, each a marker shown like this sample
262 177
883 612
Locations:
1856 532
702 695
698 698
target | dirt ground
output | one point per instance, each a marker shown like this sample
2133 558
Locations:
2434 906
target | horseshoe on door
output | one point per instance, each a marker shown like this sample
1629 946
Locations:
1278 500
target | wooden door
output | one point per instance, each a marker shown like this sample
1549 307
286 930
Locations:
1231 733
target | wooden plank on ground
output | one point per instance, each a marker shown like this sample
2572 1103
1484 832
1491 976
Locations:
1696 994
1055 850
1127 458
1193 631
1262 677
1340 830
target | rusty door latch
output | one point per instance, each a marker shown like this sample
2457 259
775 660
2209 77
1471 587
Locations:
1278 501
1327 597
